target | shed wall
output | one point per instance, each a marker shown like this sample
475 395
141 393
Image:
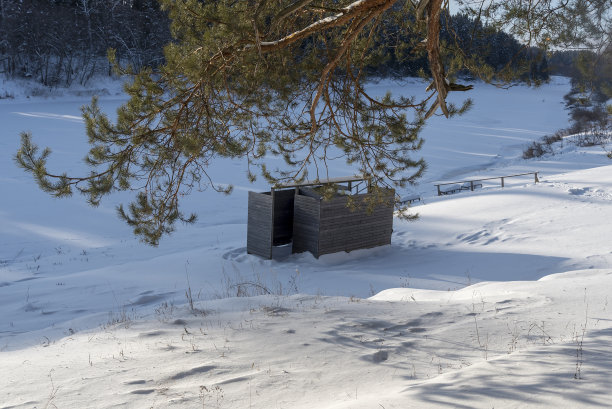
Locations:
306 225
346 229
259 227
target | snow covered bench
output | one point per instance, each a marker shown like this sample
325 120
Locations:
471 185
410 199
448 189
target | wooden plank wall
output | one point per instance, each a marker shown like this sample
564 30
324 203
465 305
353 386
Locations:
346 229
259 227
283 216
306 225
318 226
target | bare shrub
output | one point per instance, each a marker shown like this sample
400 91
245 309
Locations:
585 119
545 146
595 136
556 137
588 130
535 150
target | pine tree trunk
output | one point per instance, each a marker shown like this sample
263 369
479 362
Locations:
434 8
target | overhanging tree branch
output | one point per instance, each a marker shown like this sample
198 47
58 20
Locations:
259 78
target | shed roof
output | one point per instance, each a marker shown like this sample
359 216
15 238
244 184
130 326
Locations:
316 182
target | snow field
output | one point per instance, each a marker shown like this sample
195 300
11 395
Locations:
494 298
512 344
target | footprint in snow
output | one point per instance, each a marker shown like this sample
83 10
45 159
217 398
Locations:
579 191
238 254
136 382
142 391
380 356
194 371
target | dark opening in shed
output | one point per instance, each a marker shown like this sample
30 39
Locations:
356 216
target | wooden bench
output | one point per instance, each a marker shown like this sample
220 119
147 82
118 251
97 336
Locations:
410 199
449 189
471 185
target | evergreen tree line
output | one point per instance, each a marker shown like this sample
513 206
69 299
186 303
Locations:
475 48
58 42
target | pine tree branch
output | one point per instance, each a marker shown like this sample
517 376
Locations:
357 9
289 10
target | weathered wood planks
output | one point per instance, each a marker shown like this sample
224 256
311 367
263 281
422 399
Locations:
317 225
259 227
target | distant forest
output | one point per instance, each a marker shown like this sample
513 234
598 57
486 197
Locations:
60 42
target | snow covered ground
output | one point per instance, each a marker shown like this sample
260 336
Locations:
496 298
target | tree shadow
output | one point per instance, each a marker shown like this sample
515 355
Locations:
442 367
542 376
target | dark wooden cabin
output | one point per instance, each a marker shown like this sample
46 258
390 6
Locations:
299 216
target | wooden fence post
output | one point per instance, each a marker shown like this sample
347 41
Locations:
502 180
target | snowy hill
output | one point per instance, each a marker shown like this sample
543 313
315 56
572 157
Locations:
494 298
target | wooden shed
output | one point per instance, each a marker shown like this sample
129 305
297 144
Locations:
298 216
